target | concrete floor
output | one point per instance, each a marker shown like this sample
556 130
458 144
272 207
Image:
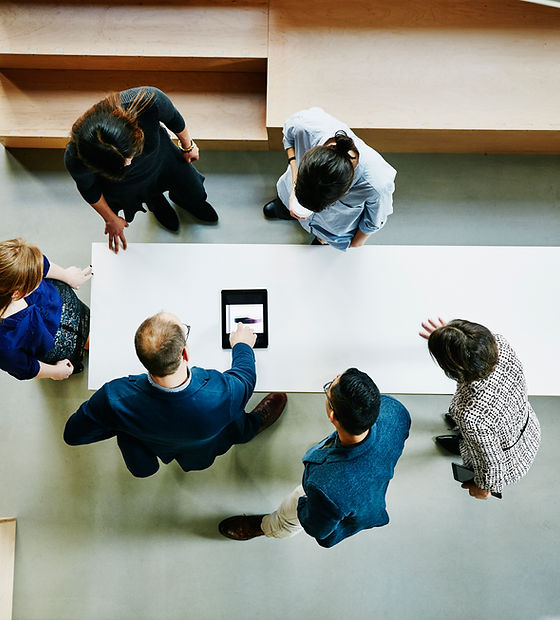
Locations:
95 543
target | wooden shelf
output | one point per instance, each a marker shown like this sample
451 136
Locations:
84 35
223 110
441 76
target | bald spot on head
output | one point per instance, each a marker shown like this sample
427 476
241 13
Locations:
159 343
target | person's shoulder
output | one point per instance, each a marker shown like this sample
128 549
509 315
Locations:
390 405
316 118
125 384
393 417
505 350
72 161
144 97
373 169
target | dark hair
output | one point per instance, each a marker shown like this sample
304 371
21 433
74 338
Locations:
159 344
108 134
325 173
355 401
465 351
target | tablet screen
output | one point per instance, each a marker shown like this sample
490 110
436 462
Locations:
249 314
248 307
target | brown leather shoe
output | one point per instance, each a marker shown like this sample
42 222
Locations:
241 527
270 409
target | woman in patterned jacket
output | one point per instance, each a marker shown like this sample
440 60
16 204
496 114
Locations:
499 433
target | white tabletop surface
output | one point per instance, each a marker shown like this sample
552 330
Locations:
330 310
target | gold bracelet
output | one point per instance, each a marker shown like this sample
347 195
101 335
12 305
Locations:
189 148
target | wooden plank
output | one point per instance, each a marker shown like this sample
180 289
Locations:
444 66
213 28
218 107
448 140
7 558
131 63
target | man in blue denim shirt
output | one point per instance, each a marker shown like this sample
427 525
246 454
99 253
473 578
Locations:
346 475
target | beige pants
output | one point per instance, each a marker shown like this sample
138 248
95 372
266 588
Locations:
284 522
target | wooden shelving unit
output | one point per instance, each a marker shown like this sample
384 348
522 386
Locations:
438 76
58 58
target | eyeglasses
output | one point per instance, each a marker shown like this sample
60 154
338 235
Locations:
326 389
187 331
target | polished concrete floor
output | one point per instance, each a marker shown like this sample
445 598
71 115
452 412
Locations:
93 543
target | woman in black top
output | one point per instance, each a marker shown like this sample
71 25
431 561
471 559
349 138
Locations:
120 157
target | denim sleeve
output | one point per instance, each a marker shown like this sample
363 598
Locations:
318 515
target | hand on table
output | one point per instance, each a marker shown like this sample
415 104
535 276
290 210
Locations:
115 229
243 333
475 491
430 326
75 276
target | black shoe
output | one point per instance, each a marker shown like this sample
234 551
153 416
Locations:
275 210
163 212
449 443
451 424
270 409
204 212
241 527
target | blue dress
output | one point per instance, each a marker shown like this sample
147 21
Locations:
28 335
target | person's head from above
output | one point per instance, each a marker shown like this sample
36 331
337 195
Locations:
465 351
326 172
21 270
352 402
161 344
107 137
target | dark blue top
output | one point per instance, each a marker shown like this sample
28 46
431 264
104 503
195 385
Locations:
190 425
27 335
345 486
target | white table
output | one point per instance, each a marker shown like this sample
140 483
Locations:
330 310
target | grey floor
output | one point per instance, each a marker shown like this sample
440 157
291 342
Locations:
95 543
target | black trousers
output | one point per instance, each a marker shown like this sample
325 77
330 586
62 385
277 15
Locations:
174 174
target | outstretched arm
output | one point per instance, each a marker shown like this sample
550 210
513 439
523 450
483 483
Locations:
73 276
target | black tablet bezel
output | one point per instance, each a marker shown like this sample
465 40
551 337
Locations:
246 296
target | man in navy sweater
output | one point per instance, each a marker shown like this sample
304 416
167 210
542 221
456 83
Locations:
175 412
346 475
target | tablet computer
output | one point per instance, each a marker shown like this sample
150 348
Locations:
464 474
248 306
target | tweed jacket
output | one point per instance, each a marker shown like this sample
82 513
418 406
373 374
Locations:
500 431
345 486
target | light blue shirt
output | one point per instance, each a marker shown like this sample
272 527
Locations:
179 388
368 202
